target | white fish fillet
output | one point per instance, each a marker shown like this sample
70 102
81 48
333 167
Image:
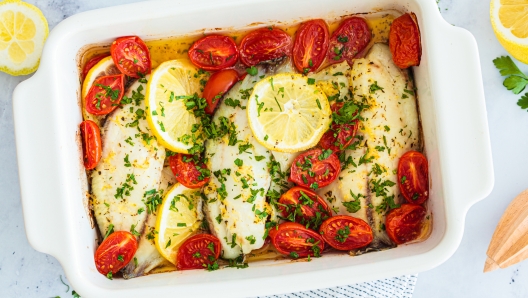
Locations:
238 220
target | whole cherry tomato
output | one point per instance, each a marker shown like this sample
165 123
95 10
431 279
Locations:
310 46
105 94
351 38
295 240
315 168
214 52
115 252
345 232
91 144
413 177
304 206
264 44
186 171
218 85
131 56
404 41
198 252
405 223
93 61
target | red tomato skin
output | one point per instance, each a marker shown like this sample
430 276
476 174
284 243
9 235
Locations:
225 52
290 199
415 188
120 243
91 144
311 42
197 243
264 45
319 168
339 136
358 34
360 232
218 85
106 104
292 236
131 56
405 224
92 62
186 172
404 41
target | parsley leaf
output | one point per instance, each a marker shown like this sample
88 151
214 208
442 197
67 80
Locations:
516 80
523 102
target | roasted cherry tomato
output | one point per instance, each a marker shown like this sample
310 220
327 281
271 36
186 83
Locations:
93 61
404 41
115 252
186 171
413 177
198 252
105 94
304 206
264 44
315 168
218 85
339 136
345 232
91 144
404 224
295 240
310 46
131 56
351 38
214 52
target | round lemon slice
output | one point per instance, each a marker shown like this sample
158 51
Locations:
167 94
179 217
23 30
509 19
288 112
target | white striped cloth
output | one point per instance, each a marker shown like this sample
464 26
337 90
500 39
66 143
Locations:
396 287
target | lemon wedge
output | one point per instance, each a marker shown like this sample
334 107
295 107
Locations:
179 217
23 30
288 112
509 19
167 113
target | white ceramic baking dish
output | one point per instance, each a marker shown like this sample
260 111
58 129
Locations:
53 181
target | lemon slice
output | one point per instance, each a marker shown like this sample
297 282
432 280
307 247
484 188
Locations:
179 217
509 19
105 67
288 112
23 30
167 114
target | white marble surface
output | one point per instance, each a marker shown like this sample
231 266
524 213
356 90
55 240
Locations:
27 273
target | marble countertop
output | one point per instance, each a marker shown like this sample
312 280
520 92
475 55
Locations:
25 272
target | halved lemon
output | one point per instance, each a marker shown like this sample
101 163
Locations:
288 112
509 19
23 30
179 217
167 113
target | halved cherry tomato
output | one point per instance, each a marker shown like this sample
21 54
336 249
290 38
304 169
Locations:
218 85
404 224
186 171
404 41
304 206
198 252
131 56
351 38
93 61
413 177
313 169
264 44
105 94
339 136
310 46
214 52
115 252
345 232
91 144
295 240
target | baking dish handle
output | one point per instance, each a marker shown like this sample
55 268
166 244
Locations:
459 83
34 118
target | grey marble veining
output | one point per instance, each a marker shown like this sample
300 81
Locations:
27 273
